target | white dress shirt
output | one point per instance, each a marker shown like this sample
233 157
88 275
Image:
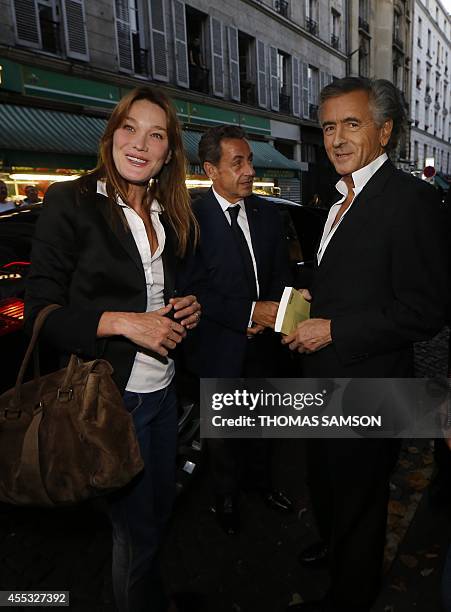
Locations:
360 178
244 225
148 373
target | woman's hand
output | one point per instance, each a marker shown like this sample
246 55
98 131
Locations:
150 330
187 310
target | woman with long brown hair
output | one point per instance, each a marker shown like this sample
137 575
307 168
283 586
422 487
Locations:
106 249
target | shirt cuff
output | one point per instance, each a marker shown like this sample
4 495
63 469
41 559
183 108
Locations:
252 314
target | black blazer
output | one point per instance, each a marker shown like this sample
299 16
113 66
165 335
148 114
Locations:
88 264
215 274
382 279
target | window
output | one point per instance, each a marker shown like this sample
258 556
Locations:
417 113
313 92
397 31
311 16
364 15
246 52
196 27
415 153
420 32
364 53
53 26
429 44
419 74
132 49
335 29
283 61
282 7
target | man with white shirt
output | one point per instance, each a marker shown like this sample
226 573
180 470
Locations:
379 286
239 271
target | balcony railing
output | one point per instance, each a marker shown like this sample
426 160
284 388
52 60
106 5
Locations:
334 41
198 78
282 7
248 93
140 60
50 35
398 43
311 26
284 103
313 112
364 25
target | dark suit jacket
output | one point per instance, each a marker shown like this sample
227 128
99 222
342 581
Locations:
382 280
88 264
215 274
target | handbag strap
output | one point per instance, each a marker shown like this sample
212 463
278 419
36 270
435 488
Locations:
38 324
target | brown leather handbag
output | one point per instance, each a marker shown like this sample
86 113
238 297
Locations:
66 436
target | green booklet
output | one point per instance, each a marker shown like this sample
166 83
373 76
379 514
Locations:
293 309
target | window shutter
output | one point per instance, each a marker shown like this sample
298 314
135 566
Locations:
28 31
261 74
234 64
124 36
274 82
181 48
296 90
75 29
304 86
158 37
217 57
322 79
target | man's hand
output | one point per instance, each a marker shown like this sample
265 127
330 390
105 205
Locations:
187 310
254 330
265 313
305 294
309 336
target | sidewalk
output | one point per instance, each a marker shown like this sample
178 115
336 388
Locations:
257 571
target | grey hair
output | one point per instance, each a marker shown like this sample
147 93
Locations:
385 100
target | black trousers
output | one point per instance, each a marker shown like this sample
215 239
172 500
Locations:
245 463
349 486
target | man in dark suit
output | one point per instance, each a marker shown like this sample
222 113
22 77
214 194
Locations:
239 270
379 286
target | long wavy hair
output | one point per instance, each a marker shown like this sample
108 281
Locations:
169 186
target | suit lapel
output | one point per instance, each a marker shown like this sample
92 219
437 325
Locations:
169 260
358 216
120 230
253 219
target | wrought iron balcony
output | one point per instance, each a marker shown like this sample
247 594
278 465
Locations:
282 7
313 112
334 41
248 93
364 25
311 26
284 103
50 35
140 60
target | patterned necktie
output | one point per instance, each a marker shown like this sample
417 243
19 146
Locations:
243 249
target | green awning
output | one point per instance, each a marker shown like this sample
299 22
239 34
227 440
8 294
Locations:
265 155
38 137
36 129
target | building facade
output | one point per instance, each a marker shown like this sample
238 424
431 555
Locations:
430 136
255 63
